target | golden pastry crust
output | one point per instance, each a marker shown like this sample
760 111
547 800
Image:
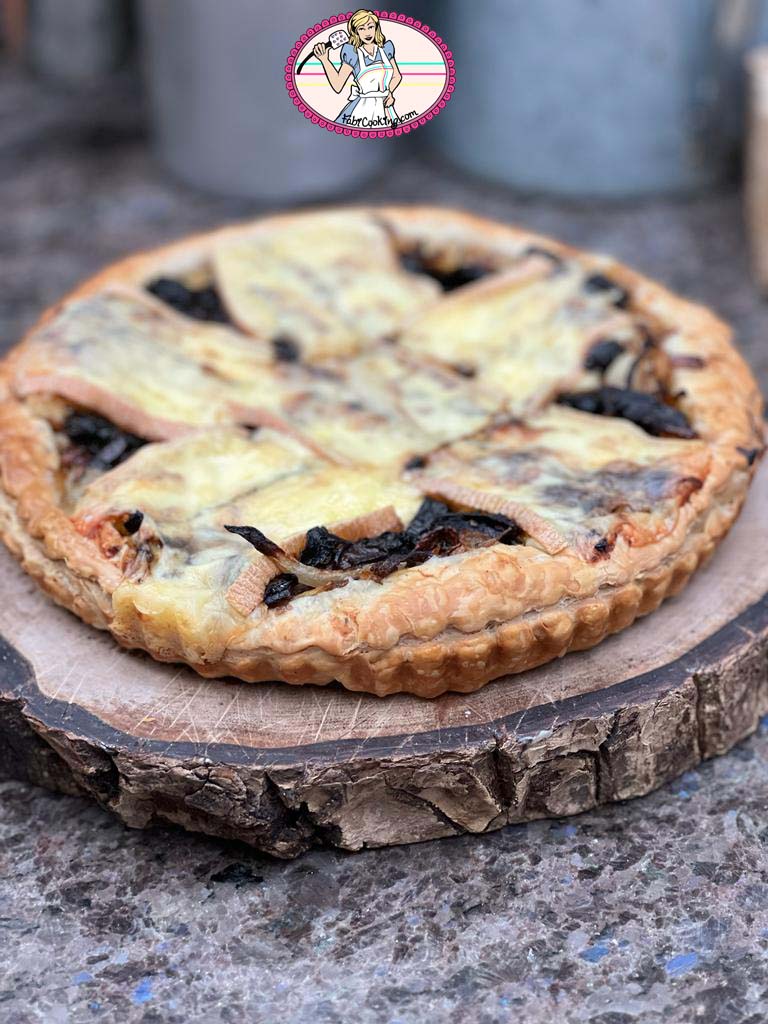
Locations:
451 623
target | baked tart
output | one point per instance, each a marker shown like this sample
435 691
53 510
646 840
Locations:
402 448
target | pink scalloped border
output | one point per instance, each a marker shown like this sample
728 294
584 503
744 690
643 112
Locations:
374 133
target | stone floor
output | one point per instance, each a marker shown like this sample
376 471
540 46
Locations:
651 911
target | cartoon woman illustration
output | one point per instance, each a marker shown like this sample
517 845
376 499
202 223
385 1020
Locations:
369 59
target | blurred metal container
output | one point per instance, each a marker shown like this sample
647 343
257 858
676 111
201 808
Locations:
77 41
222 116
595 97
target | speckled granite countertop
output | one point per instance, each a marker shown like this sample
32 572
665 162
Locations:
651 911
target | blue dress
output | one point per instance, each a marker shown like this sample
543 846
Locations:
349 56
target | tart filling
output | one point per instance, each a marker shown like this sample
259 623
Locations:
335 444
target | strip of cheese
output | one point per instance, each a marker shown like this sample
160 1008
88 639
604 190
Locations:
473 324
523 334
177 480
573 479
346 415
188 490
330 282
193 486
137 364
159 375
441 403
329 496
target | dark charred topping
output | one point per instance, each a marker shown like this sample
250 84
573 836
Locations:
434 530
537 250
325 550
198 303
286 349
256 538
435 515
603 547
601 283
329 560
208 306
415 262
132 523
450 280
105 442
427 515
443 540
174 293
464 369
649 412
602 353
280 589
321 548
649 343
750 454
415 462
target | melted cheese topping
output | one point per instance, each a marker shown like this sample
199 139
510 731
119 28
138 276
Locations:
328 497
176 480
170 372
584 479
442 405
462 387
329 282
523 333
189 489
377 410
119 345
225 476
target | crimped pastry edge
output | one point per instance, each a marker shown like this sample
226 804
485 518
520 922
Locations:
42 537
451 662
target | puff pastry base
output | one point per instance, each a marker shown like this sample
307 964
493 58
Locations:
451 623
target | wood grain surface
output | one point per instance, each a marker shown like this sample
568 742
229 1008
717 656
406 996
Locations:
284 768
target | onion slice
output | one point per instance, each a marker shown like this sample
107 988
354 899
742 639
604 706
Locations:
307 575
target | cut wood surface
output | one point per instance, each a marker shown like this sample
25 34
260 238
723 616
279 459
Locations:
284 768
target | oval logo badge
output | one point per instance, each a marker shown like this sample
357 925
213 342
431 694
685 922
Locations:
370 73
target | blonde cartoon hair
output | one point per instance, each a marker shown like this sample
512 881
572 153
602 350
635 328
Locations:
356 22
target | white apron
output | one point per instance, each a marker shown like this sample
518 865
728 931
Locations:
370 89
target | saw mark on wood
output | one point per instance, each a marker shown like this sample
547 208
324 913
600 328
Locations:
322 722
152 716
355 716
216 725
195 691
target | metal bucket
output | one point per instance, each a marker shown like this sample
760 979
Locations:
223 119
77 42
595 97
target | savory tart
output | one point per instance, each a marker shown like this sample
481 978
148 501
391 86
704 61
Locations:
402 448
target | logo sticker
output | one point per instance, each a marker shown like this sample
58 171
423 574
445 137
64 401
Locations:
370 74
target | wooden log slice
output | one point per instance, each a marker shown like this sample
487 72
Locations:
284 768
